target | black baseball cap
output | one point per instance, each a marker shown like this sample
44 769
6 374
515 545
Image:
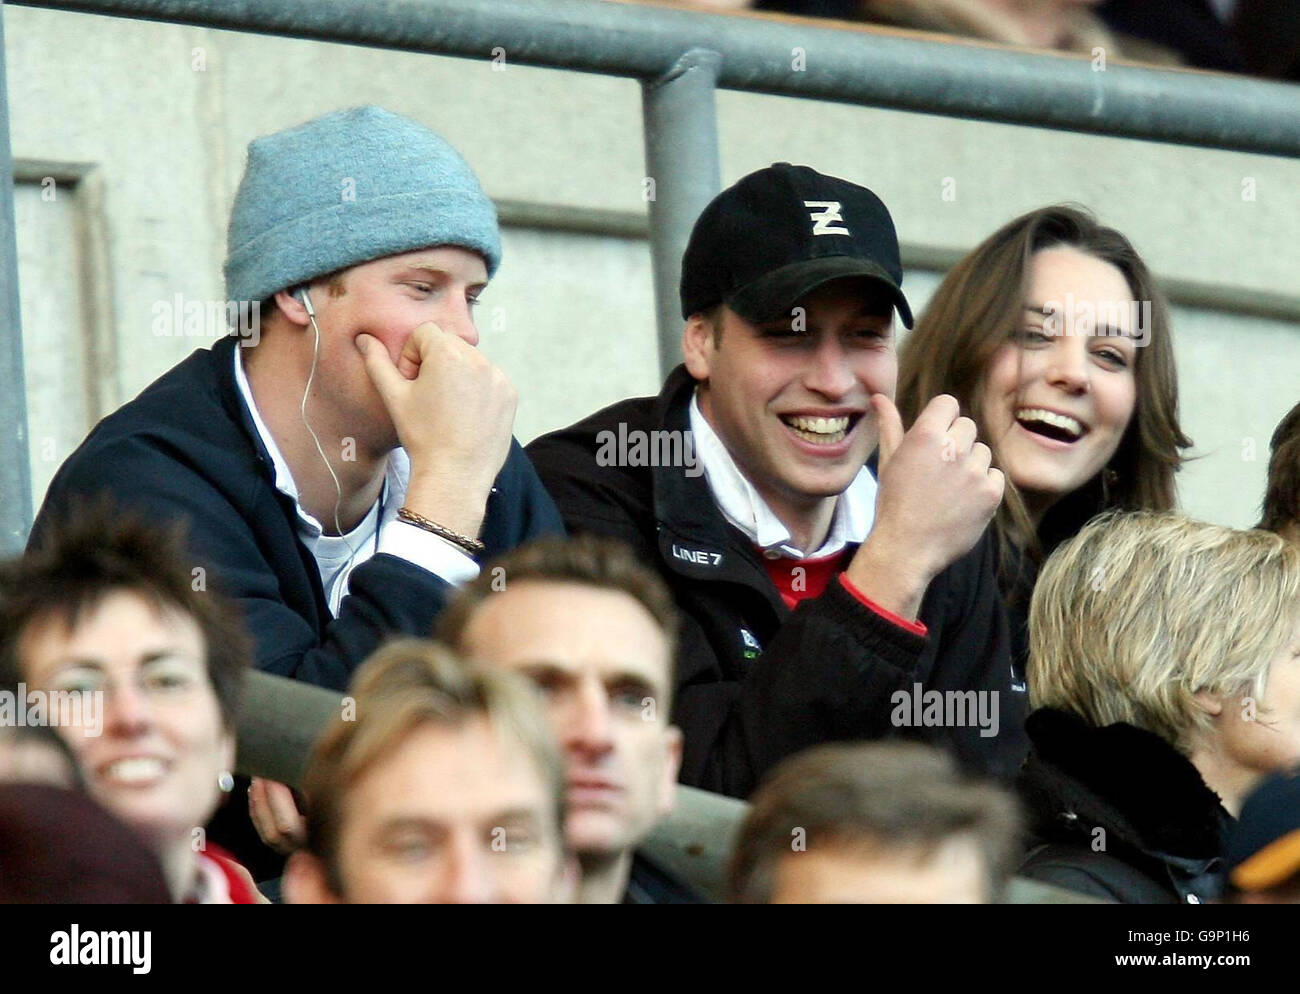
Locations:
780 233
1264 844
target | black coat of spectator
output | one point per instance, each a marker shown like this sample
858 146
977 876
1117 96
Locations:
1118 813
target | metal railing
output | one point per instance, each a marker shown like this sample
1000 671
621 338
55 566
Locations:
681 58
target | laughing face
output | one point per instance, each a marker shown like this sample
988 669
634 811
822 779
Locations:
791 398
1061 393
155 761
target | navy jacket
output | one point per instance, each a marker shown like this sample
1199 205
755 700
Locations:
187 448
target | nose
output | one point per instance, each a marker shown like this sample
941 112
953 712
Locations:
466 876
457 317
127 709
1068 365
587 727
829 372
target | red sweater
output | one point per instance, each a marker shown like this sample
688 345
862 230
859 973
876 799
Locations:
797 579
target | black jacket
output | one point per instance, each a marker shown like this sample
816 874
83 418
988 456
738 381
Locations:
649 883
186 447
755 681
1117 812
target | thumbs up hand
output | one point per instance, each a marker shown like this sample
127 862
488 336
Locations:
937 494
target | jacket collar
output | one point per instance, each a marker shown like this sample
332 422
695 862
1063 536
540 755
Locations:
222 358
695 540
1128 779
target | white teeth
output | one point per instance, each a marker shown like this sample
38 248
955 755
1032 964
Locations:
819 426
138 769
1062 421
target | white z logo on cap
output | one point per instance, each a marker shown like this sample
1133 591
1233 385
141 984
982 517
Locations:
824 218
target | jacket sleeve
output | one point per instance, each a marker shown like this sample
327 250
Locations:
837 670
387 595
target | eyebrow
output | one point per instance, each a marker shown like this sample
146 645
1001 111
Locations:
544 667
519 817
1101 330
145 660
432 270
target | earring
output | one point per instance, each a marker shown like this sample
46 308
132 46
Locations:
1108 479
225 781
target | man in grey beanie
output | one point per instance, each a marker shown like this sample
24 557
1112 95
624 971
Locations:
341 477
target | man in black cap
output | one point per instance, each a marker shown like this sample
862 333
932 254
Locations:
747 483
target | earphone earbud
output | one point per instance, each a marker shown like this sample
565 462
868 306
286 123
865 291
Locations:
302 410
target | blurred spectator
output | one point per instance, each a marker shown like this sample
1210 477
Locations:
444 786
1063 25
58 846
102 610
1165 672
1263 854
36 754
595 630
1267 33
880 823
1195 29
1256 36
1282 496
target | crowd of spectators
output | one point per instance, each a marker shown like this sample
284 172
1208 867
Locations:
932 611
1260 37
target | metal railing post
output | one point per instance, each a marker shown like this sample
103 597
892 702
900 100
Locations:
679 112
15 469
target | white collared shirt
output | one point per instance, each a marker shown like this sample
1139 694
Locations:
741 504
379 531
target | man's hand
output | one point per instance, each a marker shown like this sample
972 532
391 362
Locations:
453 411
276 816
937 494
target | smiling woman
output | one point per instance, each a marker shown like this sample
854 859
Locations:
1055 339
105 606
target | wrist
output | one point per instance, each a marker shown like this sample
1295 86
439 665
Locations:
895 581
454 504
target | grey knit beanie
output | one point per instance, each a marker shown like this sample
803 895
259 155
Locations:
345 188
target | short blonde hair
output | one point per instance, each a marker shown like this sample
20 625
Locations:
406 685
1142 610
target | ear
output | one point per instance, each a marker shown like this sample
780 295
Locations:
672 766
1211 704
291 307
698 345
304 881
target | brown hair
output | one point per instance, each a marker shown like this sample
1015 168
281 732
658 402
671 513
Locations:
978 307
92 550
589 560
1282 498
406 685
899 794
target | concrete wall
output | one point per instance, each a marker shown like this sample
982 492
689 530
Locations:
143 127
